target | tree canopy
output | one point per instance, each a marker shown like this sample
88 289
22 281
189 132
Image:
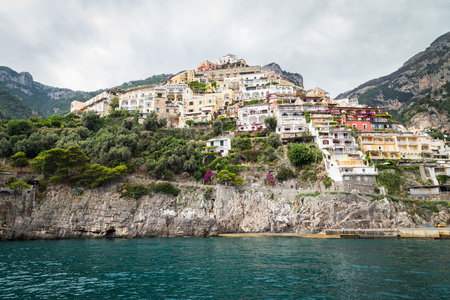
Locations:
303 154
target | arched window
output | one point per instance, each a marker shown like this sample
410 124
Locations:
284 115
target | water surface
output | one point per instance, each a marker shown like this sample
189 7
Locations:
225 268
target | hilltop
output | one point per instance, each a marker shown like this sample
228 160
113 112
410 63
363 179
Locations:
426 74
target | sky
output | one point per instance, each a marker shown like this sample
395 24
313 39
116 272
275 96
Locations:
336 45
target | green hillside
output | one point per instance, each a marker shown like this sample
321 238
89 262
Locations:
12 107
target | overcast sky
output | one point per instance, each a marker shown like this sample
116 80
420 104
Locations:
335 45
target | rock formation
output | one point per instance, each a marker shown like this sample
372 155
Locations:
101 212
295 78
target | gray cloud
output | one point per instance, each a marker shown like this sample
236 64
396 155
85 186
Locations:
336 45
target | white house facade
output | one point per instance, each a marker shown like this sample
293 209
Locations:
222 145
251 117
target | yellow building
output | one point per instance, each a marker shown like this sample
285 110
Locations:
388 145
182 77
199 108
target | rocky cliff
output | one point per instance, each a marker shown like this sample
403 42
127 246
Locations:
101 212
424 74
295 78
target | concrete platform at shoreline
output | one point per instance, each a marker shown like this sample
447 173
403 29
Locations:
421 233
282 234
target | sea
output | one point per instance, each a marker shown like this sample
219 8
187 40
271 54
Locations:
225 268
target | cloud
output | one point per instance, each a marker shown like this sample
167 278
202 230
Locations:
337 45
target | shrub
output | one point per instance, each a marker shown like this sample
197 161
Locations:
19 160
270 180
19 185
134 191
166 188
285 174
225 176
208 176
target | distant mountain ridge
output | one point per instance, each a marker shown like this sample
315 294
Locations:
47 100
424 74
295 78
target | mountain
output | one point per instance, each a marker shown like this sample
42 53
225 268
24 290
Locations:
295 78
47 100
12 107
423 75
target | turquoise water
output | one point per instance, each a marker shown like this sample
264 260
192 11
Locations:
225 268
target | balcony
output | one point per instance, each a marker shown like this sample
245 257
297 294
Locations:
376 157
413 143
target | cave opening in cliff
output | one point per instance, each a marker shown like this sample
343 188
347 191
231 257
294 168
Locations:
110 232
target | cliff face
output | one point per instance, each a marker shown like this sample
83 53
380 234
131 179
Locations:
425 73
102 213
295 78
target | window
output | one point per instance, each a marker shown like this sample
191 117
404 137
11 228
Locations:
167 110
210 101
199 102
157 110
354 126
211 143
175 111
191 103
191 110
346 178
365 127
159 95
221 143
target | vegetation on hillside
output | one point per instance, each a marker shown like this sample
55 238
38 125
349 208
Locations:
152 80
424 105
370 96
12 107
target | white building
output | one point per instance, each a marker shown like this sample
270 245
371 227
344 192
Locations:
101 104
140 99
176 93
220 144
258 92
251 117
290 119
227 59
346 102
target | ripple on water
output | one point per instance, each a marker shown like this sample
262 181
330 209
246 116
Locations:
224 268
